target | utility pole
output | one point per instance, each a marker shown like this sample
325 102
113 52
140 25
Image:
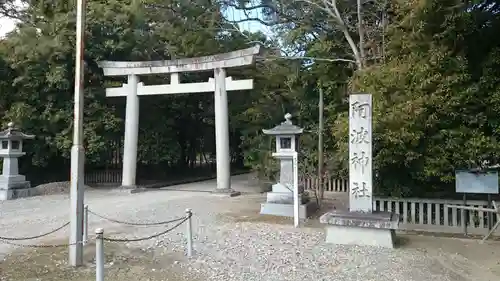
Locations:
77 150
320 144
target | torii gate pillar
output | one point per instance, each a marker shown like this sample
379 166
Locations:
223 161
131 133
219 86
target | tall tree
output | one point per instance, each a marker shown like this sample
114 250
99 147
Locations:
434 102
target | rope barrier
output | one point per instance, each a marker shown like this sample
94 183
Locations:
135 223
181 220
184 219
34 237
40 245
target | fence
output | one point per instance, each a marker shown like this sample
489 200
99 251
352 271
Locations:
330 184
103 176
420 214
100 239
432 215
148 174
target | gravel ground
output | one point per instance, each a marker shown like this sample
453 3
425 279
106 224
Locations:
232 242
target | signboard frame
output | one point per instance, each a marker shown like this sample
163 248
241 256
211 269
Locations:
477 181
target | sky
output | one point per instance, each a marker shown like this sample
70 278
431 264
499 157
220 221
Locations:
6 25
252 26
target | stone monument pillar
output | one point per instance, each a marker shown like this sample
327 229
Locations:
360 225
280 200
12 184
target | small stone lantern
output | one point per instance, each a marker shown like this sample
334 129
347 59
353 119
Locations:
280 200
12 184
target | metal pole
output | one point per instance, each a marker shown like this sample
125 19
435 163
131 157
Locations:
189 233
77 150
464 220
99 254
295 190
85 225
490 215
320 145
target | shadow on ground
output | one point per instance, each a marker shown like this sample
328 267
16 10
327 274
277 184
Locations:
250 211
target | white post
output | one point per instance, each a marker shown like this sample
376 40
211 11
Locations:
99 254
77 150
131 133
189 233
222 131
296 202
85 225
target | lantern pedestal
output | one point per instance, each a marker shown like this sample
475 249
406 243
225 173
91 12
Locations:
14 186
280 203
286 210
9 191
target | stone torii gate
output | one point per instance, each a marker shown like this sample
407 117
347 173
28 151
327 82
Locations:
220 84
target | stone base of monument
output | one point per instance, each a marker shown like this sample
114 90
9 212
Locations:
285 198
280 204
363 229
286 210
229 192
131 189
17 190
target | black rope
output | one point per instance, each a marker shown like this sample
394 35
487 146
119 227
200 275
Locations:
39 246
136 223
148 237
34 237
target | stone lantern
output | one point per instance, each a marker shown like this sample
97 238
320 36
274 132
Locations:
12 184
280 200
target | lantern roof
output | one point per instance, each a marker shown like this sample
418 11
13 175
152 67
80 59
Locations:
285 128
13 133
